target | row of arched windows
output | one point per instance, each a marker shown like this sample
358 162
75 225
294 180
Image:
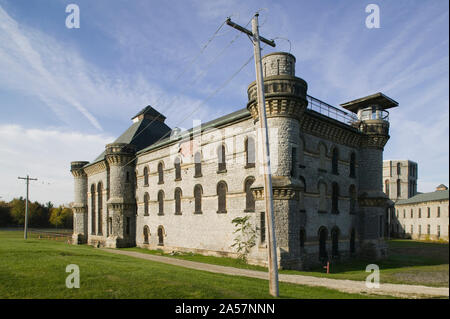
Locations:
221 192
160 232
250 158
323 237
97 210
322 187
335 160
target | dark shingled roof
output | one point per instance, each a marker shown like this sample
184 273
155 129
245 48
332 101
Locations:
148 110
141 134
425 197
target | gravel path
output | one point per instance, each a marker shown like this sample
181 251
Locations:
350 286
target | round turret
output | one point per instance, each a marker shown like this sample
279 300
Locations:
285 93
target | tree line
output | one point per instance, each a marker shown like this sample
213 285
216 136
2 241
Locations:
39 215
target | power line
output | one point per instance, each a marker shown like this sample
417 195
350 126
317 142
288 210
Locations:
198 77
225 83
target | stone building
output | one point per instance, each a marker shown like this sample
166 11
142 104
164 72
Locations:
423 216
400 179
160 188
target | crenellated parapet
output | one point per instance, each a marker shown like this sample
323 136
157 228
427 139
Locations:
119 154
285 94
76 168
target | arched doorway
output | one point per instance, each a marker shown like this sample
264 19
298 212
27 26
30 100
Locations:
352 241
160 236
146 234
323 236
335 242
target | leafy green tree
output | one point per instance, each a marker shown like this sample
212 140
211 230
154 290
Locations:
18 210
5 214
246 237
61 217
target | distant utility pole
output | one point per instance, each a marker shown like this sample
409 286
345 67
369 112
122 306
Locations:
28 179
272 251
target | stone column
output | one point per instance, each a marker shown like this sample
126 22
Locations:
79 208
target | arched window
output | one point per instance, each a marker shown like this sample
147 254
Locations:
386 187
322 156
399 188
177 201
198 164
100 207
221 157
249 199
301 153
399 169
161 203
352 241
160 173
323 236
352 194
222 197
250 154
335 242
322 197
145 176
93 209
302 238
352 165
198 192
160 236
302 195
146 204
146 234
334 161
335 198
177 166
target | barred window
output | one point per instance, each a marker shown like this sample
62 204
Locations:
161 203
146 176
198 191
249 199
178 201
146 204
222 197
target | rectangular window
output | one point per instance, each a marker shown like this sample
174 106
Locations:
438 231
428 229
428 212
294 162
263 227
412 229
438 212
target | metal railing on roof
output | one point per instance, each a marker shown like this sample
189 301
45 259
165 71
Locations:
330 111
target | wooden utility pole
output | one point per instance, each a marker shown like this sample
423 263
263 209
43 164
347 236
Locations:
272 243
28 179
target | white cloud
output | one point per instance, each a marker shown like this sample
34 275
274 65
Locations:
46 155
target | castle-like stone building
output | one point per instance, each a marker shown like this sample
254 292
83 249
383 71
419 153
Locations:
160 188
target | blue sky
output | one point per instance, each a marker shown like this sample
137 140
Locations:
65 93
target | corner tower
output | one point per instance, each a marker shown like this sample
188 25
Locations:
373 122
79 206
121 203
285 96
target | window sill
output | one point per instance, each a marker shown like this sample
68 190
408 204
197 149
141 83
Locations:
145 185
221 212
198 213
146 214
177 179
160 183
178 214
199 175
221 171
249 210
249 165
159 214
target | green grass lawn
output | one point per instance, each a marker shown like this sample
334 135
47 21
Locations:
35 268
409 262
